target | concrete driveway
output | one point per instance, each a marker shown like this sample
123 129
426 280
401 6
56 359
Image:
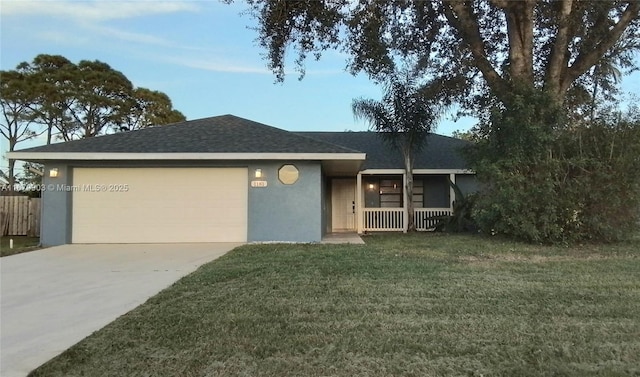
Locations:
53 298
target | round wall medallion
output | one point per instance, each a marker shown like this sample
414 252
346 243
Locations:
288 174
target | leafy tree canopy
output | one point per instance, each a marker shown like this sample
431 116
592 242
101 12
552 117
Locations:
16 96
53 95
86 99
499 45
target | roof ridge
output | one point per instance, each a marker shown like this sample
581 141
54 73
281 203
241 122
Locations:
363 132
295 133
326 142
223 133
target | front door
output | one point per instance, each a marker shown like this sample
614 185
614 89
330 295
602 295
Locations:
343 205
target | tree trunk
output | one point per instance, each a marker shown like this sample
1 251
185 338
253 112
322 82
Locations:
49 132
593 104
11 178
587 59
408 166
559 59
520 24
559 75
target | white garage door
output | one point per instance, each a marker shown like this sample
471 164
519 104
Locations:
159 205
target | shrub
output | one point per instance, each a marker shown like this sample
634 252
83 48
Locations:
571 184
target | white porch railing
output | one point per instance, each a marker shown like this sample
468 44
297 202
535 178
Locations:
423 217
383 219
393 219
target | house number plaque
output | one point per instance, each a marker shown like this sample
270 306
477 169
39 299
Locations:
258 183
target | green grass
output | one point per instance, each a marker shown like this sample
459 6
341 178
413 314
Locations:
20 245
415 305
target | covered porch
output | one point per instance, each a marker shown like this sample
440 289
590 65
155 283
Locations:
376 201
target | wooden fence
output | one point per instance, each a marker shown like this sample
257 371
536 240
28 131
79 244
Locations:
19 216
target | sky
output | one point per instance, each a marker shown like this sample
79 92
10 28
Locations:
203 54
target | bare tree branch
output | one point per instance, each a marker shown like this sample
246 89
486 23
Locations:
460 15
589 58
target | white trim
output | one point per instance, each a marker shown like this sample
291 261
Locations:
443 171
421 214
59 156
417 171
384 219
382 171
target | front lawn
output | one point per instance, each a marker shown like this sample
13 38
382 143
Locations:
416 305
20 245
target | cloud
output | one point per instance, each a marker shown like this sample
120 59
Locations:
95 10
225 66
91 15
129 36
61 37
217 65
323 72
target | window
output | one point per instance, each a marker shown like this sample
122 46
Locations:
371 192
429 191
383 192
418 193
436 191
467 183
390 193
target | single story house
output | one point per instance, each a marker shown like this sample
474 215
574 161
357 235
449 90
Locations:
229 179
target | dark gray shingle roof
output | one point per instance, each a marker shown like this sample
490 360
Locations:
220 134
232 134
440 152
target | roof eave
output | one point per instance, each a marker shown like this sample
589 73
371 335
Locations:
93 156
376 171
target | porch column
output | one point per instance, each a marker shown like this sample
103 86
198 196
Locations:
405 208
359 203
452 192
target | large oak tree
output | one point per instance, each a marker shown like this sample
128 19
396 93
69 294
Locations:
500 45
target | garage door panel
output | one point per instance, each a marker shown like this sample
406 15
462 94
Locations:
160 205
148 235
